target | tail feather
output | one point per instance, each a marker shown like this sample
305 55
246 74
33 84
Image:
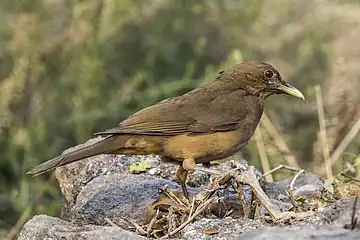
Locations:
107 145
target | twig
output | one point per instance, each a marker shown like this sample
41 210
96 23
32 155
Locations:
221 182
137 227
257 209
281 166
249 177
206 170
323 135
285 216
228 213
295 178
354 221
345 142
201 208
289 190
134 225
109 168
279 141
252 205
350 177
351 167
241 195
353 215
110 222
152 222
192 207
173 197
262 153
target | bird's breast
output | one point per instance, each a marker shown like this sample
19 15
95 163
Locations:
197 147
213 146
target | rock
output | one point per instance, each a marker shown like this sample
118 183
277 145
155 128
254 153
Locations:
276 190
101 187
308 190
75 176
228 228
46 227
340 212
118 197
319 232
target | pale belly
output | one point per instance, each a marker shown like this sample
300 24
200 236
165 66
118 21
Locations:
205 148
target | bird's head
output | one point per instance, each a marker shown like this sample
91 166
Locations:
261 78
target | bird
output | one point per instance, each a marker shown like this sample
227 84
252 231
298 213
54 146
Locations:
211 122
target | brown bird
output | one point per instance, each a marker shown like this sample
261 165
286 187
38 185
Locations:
208 123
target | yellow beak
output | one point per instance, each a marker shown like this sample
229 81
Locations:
291 90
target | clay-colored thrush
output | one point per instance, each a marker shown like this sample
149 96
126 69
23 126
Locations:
208 123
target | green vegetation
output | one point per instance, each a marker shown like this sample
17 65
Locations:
139 167
70 68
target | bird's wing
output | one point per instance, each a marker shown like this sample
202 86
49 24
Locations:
201 111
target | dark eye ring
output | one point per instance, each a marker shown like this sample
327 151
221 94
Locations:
269 74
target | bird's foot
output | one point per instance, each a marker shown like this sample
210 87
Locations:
181 175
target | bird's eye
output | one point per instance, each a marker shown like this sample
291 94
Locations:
269 74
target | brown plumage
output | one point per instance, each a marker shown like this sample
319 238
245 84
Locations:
208 123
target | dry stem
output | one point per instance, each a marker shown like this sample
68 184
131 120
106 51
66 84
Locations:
281 166
345 142
262 153
323 135
199 210
279 141
295 178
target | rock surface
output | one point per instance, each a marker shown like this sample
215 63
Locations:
117 197
45 227
309 233
315 227
102 188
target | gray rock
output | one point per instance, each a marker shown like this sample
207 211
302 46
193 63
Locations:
228 228
341 211
75 176
308 233
101 187
48 228
276 190
308 190
118 197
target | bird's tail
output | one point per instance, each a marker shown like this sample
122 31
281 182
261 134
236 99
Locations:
106 145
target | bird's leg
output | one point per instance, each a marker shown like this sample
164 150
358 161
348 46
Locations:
181 175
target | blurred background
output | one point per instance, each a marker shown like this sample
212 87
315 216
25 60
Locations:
69 68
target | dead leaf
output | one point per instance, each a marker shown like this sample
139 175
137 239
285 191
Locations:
212 231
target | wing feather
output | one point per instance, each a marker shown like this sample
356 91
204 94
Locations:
201 111
150 128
